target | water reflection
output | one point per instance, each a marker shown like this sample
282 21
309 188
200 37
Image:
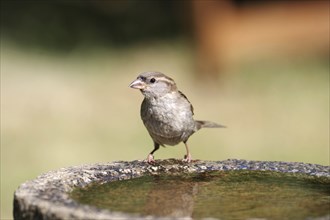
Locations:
173 199
223 195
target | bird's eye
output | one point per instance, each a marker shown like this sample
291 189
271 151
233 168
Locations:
152 80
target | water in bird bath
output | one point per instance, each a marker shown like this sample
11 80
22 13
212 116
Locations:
216 194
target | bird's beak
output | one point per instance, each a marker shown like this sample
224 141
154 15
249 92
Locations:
137 84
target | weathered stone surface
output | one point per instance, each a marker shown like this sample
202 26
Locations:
47 197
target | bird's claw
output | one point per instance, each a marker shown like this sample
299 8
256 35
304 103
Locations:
187 158
150 159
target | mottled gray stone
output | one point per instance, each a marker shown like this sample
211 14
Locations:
47 196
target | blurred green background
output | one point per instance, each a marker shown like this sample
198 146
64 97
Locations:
66 67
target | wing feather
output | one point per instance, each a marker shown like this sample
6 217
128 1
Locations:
191 107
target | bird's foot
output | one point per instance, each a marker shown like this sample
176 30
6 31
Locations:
187 158
150 159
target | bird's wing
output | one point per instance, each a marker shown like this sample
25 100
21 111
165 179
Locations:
185 97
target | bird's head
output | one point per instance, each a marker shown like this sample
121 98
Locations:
154 84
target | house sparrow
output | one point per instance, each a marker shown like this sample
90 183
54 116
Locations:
166 112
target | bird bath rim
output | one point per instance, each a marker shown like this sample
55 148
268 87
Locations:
47 196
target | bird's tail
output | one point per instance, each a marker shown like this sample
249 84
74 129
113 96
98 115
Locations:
208 124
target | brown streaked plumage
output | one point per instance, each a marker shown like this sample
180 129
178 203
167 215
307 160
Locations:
166 112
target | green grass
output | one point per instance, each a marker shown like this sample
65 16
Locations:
59 111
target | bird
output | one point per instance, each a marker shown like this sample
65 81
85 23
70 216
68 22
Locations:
167 113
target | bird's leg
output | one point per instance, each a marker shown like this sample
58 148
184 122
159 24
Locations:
187 157
150 158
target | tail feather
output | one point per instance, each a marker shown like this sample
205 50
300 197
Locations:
208 124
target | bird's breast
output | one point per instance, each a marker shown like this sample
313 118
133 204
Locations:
167 119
